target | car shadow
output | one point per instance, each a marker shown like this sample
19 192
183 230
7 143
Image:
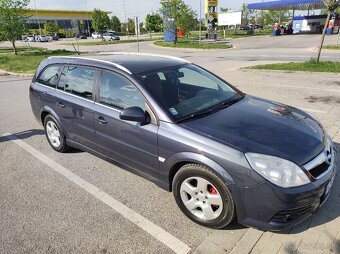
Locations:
22 135
30 133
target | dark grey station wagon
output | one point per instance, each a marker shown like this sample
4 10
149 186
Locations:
222 153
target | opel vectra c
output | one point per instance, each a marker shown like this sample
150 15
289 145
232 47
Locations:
222 153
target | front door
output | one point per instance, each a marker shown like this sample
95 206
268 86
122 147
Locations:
129 143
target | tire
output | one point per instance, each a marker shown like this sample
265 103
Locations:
207 201
54 134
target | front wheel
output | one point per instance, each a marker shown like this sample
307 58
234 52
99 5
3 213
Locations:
203 197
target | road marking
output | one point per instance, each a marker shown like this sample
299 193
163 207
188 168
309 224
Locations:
157 232
313 110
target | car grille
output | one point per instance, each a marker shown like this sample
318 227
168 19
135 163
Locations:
286 216
321 164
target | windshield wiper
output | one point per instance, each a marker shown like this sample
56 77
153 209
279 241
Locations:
226 103
210 110
195 115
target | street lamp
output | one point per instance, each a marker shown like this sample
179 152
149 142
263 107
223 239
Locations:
36 14
200 21
87 21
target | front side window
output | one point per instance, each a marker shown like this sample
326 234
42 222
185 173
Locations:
188 91
78 80
50 76
118 92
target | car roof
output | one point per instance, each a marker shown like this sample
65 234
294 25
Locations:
134 63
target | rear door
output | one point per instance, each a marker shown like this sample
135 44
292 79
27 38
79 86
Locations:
74 103
127 142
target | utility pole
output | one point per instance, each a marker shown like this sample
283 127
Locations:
200 35
87 20
36 14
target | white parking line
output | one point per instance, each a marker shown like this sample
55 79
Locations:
157 232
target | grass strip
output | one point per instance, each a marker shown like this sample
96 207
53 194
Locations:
310 66
27 62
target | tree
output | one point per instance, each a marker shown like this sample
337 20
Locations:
153 23
115 24
331 5
224 10
131 26
180 14
272 17
51 28
12 20
247 14
100 21
187 20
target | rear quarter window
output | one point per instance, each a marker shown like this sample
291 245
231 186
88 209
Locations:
49 76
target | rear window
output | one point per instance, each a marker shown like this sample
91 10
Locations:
78 81
49 76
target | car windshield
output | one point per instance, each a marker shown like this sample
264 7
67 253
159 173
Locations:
187 91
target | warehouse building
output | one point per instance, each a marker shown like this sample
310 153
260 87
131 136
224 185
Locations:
67 20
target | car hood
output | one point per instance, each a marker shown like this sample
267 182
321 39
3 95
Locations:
261 126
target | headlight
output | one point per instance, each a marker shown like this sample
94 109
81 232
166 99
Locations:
280 172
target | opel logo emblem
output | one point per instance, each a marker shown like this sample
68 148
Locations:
329 157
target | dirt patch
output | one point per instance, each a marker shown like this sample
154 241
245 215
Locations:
323 99
337 83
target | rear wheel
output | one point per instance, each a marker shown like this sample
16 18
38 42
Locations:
203 197
54 134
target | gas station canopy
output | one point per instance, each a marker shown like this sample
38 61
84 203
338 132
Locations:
288 5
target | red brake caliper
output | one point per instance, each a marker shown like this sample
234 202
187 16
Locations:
213 191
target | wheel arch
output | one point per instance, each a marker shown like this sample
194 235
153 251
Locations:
177 161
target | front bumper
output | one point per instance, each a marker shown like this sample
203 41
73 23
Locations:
269 207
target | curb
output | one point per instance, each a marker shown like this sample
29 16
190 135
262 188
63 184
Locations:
247 242
8 73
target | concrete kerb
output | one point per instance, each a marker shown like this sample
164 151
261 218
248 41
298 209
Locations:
8 73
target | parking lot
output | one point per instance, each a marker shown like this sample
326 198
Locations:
78 203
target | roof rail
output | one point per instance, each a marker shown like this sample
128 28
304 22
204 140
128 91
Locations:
96 60
144 54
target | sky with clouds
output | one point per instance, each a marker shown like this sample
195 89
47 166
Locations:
132 7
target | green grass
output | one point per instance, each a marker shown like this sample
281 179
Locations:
27 62
192 44
231 33
310 66
96 43
19 49
334 47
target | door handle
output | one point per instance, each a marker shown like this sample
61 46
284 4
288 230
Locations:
101 120
61 105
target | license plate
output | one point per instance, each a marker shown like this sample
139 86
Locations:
329 185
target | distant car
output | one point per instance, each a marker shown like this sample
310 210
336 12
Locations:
61 35
110 37
96 35
41 38
30 38
53 37
82 36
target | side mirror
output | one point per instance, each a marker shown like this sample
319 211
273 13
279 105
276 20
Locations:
134 114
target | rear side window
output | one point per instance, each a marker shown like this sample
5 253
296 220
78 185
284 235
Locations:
118 92
78 81
50 76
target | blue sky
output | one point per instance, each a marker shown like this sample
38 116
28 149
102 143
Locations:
133 7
